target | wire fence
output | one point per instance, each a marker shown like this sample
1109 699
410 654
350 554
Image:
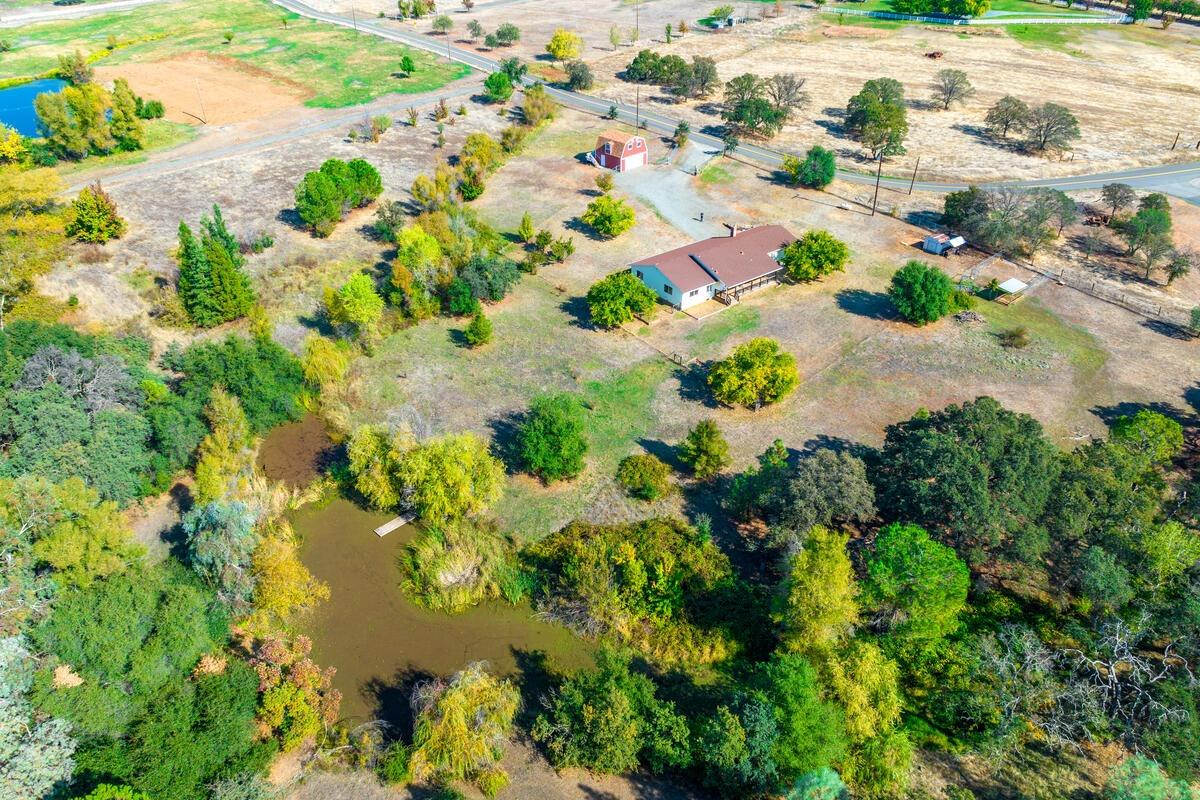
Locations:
1079 19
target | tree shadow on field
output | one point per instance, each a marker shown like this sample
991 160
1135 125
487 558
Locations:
389 699
664 452
693 385
1189 420
291 218
872 305
837 444
458 338
577 309
506 439
923 219
577 225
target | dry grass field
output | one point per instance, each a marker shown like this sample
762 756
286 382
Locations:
1133 88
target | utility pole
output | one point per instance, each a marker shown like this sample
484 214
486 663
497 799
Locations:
637 105
354 19
878 175
913 182
1176 140
203 113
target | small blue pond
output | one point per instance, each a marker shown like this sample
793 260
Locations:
16 104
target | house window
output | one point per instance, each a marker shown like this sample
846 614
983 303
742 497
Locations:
693 292
667 289
608 148
638 272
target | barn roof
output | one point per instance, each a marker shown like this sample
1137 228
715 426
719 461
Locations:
730 260
618 138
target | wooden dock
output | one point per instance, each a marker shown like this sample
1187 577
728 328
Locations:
398 522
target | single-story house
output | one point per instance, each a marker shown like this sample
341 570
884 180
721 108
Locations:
724 267
621 151
942 244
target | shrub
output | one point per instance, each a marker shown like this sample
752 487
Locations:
579 76
705 449
614 300
921 293
814 255
755 374
609 720
643 583
816 171
553 437
497 87
453 566
460 727
479 331
608 216
1015 337
325 196
393 766
94 216
644 476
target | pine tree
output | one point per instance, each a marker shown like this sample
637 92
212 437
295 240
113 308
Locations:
232 294
195 280
124 123
525 230
479 331
214 228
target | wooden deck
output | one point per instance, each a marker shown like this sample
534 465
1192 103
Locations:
398 522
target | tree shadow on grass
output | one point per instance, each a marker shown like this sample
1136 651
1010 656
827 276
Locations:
506 441
458 338
923 219
872 305
577 309
291 218
693 384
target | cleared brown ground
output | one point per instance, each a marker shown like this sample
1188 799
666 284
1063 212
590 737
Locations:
203 88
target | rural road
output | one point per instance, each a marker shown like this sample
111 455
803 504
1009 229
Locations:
1181 179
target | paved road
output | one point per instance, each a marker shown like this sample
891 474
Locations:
1182 179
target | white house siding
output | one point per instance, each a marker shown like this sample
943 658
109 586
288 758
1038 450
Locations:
670 293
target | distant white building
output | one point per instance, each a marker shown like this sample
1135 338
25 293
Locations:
941 244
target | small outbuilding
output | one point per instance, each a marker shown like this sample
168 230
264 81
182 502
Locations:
942 244
621 151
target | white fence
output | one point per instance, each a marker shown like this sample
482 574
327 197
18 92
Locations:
1114 19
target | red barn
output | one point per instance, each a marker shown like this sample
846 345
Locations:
620 151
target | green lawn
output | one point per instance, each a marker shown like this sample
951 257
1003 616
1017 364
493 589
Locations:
713 332
715 173
161 134
1053 37
339 67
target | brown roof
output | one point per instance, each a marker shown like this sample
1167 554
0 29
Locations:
728 259
618 138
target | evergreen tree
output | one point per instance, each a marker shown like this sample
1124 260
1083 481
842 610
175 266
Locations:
195 280
232 293
125 125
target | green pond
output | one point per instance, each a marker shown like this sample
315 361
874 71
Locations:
379 641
